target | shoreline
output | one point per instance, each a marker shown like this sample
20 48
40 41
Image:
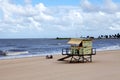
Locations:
34 56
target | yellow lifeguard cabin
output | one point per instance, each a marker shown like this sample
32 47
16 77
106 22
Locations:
81 50
81 46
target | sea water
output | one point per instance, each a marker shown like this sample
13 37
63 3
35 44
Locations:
39 47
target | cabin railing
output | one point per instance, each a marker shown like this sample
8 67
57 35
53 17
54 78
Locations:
77 55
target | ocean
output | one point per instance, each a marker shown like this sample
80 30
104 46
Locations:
40 47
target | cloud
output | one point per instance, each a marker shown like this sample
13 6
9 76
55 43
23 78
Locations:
88 6
24 16
115 26
28 1
110 6
86 19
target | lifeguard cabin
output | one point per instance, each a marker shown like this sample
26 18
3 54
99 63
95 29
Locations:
81 50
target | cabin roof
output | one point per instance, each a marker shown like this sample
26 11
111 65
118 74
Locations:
77 41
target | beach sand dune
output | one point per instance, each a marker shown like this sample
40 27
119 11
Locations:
105 66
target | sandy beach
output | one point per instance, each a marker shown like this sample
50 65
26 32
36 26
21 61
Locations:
105 66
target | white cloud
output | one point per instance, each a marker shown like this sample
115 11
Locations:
1 29
85 19
24 16
27 1
88 6
40 7
115 26
118 15
110 6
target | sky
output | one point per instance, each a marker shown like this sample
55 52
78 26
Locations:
58 18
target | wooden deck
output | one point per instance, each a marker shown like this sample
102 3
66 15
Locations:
77 56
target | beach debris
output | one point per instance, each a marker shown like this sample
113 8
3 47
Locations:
49 56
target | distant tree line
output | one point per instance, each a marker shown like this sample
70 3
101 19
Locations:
114 36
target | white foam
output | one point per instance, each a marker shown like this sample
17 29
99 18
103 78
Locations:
27 56
115 47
